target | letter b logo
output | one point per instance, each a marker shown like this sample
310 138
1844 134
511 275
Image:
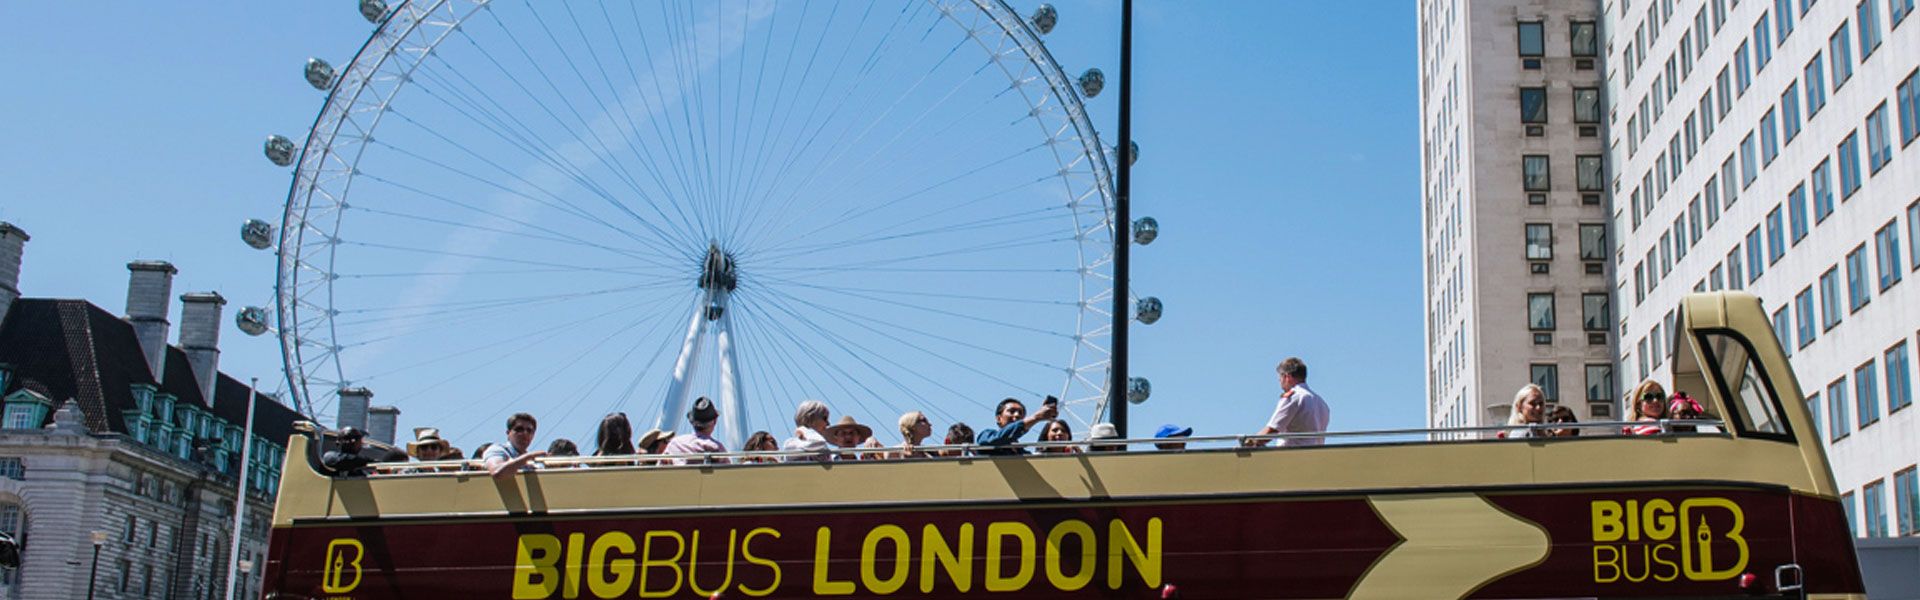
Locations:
342 555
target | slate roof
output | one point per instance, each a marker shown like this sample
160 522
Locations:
71 349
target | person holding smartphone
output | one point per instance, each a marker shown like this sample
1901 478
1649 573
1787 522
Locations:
1013 422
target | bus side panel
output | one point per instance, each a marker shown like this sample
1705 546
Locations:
1827 561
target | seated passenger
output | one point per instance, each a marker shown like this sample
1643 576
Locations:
1057 431
1013 422
1173 432
1529 408
849 434
345 459
1562 414
761 441
503 460
914 431
564 447
700 441
615 436
1104 431
958 434
428 446
810 432
1685 408
1649 407
654 441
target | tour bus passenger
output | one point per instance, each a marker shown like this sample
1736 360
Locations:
503 460
761 441
345 460
849 434
615 436
1562 414
428 446
1649 407
700 441
1529 408
958 434
479 453
809 433
563 447
1172 432
914 431
1104 431
395 455
1057 431
1013 421
654 441
1299 410
1685 408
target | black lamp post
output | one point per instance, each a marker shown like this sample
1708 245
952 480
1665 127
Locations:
99 539
1122 229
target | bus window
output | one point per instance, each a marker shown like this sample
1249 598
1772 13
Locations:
1744 386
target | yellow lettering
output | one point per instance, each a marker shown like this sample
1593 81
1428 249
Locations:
746 551
822 584
958 565
574 555
648 563
1658 519
1673 567
693 565
1611 562
1626 563
598 565
1057 575
869 556
1607 526
996 536
534 573
1121 543
1633 520
1702 542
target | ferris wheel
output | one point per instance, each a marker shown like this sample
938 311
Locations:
578 208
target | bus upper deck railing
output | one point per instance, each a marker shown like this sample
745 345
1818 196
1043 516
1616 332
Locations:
1534 433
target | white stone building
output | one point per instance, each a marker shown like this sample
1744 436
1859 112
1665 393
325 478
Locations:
1767 145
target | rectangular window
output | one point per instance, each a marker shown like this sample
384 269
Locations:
1848 154
1815 76
1857 291
1913 234
1869 16
1706 115
1593 241
1899 9
1840 56
1712 192
1717 281
1756 255
1586 105
1534 174
1908 95
1540 312
1783 330
1822 179
1736 276
1886 245
1769 139
1539 241
1879 144
1590 173
1686 57
1693 219
1830 301
1693 140
1728 173
1723 87
1790 111
1899 378
1819 417
1906 496
1873 500
1838 422
1680 237
1533 41
1866 393
1548 378
1599 384
1742 69
1584 39
1776 236
1783 19
1762 42
1749 167
1797 212
1533 105
1595 311
1666 253
1846 505
1803 310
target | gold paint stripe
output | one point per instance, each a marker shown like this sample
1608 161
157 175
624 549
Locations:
1451 545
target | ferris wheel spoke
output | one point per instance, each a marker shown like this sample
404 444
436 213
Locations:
619 270
776 255
863 321
680 164
834 371
567 240
865 265
858 352
457 310
887 358
502 347
569 362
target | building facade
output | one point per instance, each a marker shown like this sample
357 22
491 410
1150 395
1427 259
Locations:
1767 145
1517 281
120 453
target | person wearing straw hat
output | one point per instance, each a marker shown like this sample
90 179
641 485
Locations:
654 441
427 445
700 441
849 434
1102 432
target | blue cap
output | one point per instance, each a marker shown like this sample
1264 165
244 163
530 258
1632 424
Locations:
1171 431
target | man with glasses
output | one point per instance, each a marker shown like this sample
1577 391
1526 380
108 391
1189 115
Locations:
503 460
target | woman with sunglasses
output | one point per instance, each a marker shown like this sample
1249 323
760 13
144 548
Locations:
1649 407
914 429
1529 408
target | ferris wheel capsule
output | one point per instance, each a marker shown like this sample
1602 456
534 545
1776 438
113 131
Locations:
1133 153
1147 310
1145 230
1138 389
319 74
373 10
257 234
251 320
1092 81
280 150
1044 18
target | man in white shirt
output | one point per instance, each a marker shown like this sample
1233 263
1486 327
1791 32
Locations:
1300 410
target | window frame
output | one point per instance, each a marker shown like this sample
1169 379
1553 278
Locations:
1520 38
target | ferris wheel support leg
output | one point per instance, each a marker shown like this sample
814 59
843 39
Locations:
676 400
733 408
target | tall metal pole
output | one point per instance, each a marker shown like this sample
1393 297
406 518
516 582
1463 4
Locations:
1122 227
93 573
240 492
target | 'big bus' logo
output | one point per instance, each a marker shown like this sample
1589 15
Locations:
1699 540
341 573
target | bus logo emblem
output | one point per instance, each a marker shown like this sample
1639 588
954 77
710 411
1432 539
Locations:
342 554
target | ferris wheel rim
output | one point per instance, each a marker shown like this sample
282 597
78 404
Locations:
319 163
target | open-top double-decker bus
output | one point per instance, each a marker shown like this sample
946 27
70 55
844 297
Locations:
1744 508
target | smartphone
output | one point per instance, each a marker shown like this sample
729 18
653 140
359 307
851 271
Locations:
1051 401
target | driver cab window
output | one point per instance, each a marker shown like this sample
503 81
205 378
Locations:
1757 410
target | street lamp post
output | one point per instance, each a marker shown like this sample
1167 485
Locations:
99 539
246 574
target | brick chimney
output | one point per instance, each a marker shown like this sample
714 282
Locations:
200 337
353 407
13 242
381 421
149 299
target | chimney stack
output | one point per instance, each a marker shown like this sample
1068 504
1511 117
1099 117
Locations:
353 407
381 421
200 337
13 242
149 299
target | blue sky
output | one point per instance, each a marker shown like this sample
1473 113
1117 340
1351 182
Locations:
1279 144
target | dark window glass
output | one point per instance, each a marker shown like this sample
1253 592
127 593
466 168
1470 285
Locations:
1534 173
1533 105
1532 39
1585 39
